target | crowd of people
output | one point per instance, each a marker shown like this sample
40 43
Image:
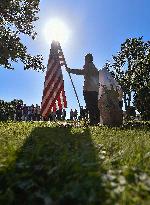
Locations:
17 110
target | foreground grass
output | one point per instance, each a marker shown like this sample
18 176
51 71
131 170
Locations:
42 163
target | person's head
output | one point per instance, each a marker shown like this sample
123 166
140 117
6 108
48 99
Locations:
89 58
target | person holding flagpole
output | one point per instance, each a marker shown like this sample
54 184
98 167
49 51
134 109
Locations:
90 89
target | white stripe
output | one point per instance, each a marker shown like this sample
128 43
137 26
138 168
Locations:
57 107
54 95
50 64
51 86
51 75
62 100
50 89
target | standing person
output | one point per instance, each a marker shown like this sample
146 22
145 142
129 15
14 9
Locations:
25 112
63 114
90 89
71 114
32 113
19 111
58 114
53 115
38 113
29 113
75 114
82 113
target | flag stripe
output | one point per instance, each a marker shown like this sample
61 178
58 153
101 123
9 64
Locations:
51 82
53 109
48 108
51 88
51 71
64 98
53 94
49 66
59 101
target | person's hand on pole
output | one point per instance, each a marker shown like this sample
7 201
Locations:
68 69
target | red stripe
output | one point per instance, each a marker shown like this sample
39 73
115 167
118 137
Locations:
53 101
50 60
52 90
51 57
48 101
59 102
54 107
64 98
51 94
48 108
51 81
50 70
54 83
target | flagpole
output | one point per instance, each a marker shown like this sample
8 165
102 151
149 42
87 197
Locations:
65 64
74 89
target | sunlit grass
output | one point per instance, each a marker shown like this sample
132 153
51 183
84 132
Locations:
43 163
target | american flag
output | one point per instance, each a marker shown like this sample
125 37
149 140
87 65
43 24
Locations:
53 94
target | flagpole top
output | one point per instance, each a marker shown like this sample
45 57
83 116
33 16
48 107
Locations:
55 43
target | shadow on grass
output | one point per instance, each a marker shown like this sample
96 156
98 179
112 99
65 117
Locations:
55 166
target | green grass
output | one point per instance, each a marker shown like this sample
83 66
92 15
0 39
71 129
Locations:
42 163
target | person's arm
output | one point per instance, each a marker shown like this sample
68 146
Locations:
75 71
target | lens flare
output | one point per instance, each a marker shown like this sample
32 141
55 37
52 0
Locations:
57 30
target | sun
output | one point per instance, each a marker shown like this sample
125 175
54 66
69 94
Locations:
56 29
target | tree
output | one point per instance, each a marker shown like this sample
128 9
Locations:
17 17
142 102
131 68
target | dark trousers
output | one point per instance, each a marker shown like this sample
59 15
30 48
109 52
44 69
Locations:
91 100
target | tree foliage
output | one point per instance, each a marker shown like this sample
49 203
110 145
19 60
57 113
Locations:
142 102
17 17
131 67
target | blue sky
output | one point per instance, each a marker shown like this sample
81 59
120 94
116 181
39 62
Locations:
97 26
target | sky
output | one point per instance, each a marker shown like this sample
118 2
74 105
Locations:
96 26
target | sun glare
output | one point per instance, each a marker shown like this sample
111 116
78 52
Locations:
57 30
